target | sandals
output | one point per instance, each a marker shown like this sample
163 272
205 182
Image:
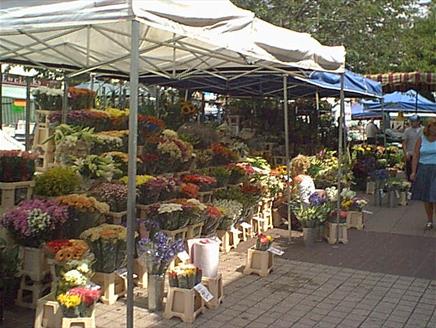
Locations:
428 226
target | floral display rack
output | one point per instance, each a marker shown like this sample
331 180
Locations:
216 288
183 303
229 239
88 322
12 193
355 219
332 230
141 274
113 286
117 217
177 234
194 230
259 262
48 313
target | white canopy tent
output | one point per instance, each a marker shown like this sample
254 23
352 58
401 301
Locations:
133 37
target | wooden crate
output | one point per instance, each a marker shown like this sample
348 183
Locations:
31 291
116 217
40 140
88 322
355 220
177 234
331 233
12 193
259 262
194 230
205 196
229 239
247 230
139 269
112 286
185 304
215 286
48 313
34 263
44 161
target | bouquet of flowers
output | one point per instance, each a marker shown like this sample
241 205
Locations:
81 98
56 181
192 208
103 143
221 175
354 204
66 250
239 171
189 190
263 242
184 276
174 153
204 182
149 126
74 273
113 194
48 98
96 167
222 155
231 212
158 252
169 216
78 301
84 212
16 165
314 213
213 217
35 221
108 243
119 118
380 175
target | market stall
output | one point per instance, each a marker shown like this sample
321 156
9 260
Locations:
119 37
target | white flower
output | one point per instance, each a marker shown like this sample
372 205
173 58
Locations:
347 193
169 208
83 268
332 194
170 133
197 204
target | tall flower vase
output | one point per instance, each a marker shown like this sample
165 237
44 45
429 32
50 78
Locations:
309 236
156 285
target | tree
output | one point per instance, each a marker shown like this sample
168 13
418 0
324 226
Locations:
371 30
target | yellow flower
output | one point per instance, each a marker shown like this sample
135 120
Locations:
69 301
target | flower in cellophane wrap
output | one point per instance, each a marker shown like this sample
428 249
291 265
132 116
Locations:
263 242
212 220
84 213
185 276
169 216
79 301
156 253
231 210
193 209
108 243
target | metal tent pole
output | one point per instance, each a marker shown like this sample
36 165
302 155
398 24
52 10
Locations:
340 154
92 89
288 163
1 97
27 126
382 103
131 198
416 102
65 100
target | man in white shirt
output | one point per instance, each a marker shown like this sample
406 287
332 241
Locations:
371 133
410 137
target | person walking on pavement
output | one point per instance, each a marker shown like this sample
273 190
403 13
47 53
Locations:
410 137
424 171
371 133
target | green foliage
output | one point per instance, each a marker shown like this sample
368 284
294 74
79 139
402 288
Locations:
9 261
379 36
96 167
59 180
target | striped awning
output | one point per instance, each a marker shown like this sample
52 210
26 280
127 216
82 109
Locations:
421 82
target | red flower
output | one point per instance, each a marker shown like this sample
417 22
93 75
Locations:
213 212
189 189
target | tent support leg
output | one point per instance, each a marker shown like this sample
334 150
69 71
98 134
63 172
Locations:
65 100
288 163
131 196
1 97
340 153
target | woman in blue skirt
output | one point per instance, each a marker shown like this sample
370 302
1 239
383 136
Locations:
424 171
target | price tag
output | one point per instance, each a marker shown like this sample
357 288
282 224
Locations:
245 225
183 256
275 251
204 292
367 212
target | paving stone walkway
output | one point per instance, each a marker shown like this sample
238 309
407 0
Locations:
384 277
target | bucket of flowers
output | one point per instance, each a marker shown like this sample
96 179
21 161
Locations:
156 254
222 155
231 211
204 182
78 302
259 259
213 217
84 213
263 242
169 216
193 209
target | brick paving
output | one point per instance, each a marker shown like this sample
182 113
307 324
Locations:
384 277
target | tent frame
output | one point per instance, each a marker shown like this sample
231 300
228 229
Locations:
135 55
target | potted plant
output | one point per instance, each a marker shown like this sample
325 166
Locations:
16 165
169 216
156 254
31 224
231 212
204 182
113 194
57 181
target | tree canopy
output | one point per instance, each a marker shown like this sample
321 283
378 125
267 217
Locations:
379 35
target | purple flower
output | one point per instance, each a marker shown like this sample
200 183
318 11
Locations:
316 200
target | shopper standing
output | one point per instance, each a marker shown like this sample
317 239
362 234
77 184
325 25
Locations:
410 137
424 171
371 133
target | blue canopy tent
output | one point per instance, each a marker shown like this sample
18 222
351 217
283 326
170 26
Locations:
409 101
239 82
359 113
